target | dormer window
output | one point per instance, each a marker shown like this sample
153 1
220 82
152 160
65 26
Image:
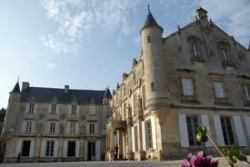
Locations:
224 52
73 109
195 48
53 109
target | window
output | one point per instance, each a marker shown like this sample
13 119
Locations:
28 126
71 148
246 90
26 148
219 89
148 130
136 138
73 110
53 109
195 49
187 87
193 122
73 127
91 128
224 53
52 128
50 148
148 39
227 130
31 108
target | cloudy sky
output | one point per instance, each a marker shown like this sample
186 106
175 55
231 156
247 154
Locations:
89 43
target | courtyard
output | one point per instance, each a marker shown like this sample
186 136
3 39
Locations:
113 164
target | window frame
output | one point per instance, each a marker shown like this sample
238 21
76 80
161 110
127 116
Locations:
50 148
194 120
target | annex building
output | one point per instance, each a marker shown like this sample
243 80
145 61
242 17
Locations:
196 76
52 124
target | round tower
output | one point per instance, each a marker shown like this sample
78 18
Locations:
152 48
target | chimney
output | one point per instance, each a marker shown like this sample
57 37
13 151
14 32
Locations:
66 88
25 85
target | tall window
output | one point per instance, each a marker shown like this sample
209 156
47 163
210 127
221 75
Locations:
53 109
31 108
26 148
246 89
136 138
73 127
148 130
28 126
195 49
91 128
73 110
187 87
50 148
227 130
219 89
52 128
193 122
71 148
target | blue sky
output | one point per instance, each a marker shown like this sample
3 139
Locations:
89 43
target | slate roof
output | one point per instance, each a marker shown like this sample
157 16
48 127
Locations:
49 95
151 22
16 88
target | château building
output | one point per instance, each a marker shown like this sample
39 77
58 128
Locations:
196 76
52 124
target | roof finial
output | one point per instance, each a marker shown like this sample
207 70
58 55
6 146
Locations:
149 11
249 46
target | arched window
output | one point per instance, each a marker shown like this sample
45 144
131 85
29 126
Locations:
224 53
196 46
224 50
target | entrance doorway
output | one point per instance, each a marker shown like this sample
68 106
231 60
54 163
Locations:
26 148
71 148
91 151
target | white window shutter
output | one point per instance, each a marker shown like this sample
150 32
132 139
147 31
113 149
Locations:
183 130
187 85
239 131
247 123
205 122
218 131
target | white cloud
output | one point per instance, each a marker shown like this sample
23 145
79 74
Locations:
75 18
51 66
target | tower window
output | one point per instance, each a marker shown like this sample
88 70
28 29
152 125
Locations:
148 39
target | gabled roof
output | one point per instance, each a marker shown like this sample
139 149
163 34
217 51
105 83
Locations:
16 88
50 95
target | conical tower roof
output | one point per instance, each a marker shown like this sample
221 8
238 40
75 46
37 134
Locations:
150 21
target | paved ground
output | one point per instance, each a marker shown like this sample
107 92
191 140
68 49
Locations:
111 164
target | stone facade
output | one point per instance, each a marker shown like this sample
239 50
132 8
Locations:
50 124
196 76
